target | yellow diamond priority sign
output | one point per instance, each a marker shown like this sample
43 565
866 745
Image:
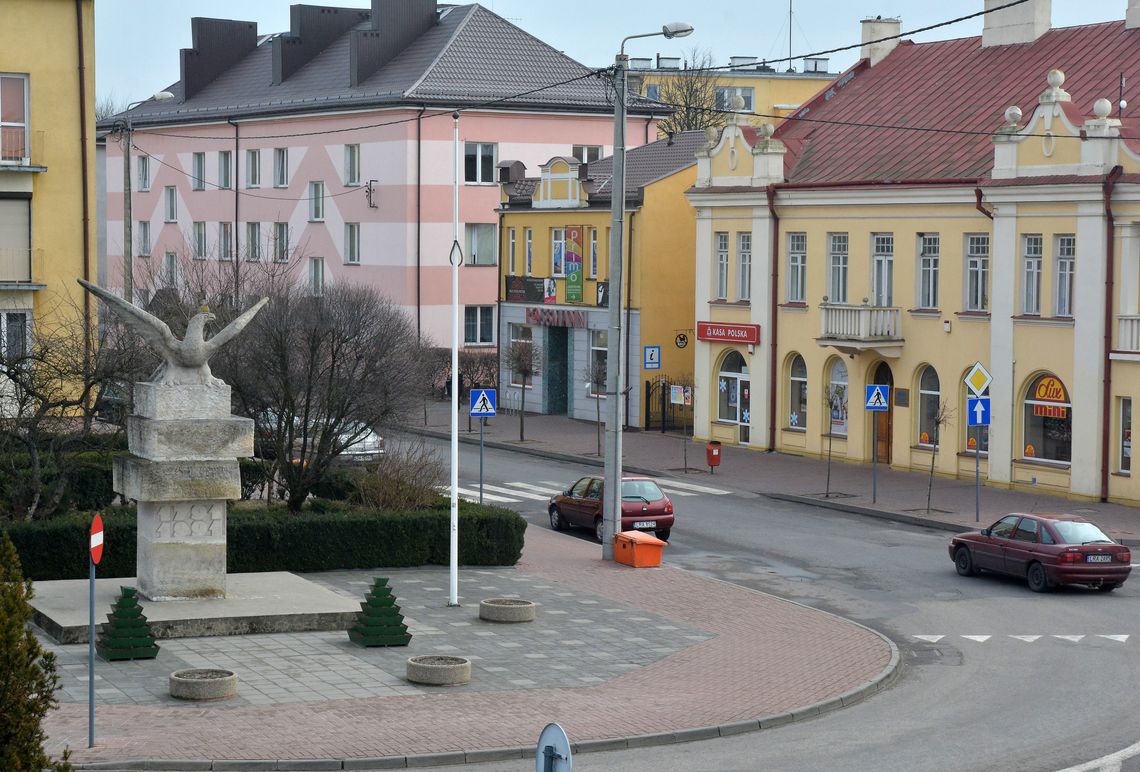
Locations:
978 379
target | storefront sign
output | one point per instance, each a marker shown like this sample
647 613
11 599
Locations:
549 291
1051 392
573 266
728 333
555 317
524 289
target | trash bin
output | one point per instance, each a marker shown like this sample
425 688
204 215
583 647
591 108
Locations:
638 549
712 455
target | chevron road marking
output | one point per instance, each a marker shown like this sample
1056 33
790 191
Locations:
930 638
1026 638
978 638
1073 638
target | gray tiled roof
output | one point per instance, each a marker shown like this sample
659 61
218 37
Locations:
471 57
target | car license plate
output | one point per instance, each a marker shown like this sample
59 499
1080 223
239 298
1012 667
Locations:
1099 558
645 524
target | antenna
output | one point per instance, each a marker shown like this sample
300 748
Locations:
790 68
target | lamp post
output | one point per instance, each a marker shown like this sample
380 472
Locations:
615 366
128 234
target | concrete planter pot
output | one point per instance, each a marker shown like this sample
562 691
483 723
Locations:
506 610
203 684
439 670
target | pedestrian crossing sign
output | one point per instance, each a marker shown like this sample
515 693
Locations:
878 397
483 403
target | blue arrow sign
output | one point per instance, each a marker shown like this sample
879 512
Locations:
483 403
878 397
978 411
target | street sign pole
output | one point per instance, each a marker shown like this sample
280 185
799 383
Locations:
874 459
94 555
977 474
484 405
482 423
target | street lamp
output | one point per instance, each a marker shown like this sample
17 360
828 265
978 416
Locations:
615 366
128 235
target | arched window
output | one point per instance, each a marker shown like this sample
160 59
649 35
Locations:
928 403
1048 428
733 399
837 398
797 394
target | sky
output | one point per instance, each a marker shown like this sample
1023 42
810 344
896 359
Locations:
137 41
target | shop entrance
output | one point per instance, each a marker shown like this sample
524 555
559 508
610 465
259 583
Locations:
883 417
557 370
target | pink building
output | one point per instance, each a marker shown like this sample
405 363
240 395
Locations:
330 147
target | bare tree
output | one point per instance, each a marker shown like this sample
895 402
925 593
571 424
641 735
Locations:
942 417
595 375
108 106
692 94
522 358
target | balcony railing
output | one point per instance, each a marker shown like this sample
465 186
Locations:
866 323
1128 332
16 265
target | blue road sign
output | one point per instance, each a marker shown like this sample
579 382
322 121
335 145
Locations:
483 403
878 397
652 358
978 411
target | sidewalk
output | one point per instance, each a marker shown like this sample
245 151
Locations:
901 495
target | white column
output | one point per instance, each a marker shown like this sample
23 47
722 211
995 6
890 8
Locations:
759 367
703 378
1085 390
1004 276
1128 257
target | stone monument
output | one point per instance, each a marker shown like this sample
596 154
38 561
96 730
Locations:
183 465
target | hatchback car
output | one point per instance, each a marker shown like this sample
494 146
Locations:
1045 550
644 507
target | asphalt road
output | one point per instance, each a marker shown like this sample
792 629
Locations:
985 702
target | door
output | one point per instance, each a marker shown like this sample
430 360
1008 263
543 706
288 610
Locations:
592 503
557 369
572 504
884 418
1020 549
883 271
745 411
989 551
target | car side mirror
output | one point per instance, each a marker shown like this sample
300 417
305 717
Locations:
985 532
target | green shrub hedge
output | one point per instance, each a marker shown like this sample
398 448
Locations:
271 539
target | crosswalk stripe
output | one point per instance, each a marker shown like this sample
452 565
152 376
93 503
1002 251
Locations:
673 492
690 487
474 494
514 492
536 488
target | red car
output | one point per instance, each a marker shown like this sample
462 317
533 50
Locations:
1047 550
644 507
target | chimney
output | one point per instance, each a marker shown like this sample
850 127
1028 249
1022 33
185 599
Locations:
396 24
1020 24
874 29
219 44
311 29
1132 15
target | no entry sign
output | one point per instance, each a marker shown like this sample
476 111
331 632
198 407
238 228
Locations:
97 539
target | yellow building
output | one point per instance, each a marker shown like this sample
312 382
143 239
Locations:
47 169
552 223
943 204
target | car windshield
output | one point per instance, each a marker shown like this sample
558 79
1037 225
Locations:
641 489
1075 532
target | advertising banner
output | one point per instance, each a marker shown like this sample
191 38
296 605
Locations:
574 236
524 289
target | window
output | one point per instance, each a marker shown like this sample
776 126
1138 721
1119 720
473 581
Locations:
837 398
587 153
797 267
744 255
200 240
593 253
171 203
352 164
253 241
725 94
281 167
1048 426
722 266
316 201
653 91
837 268
928 249
225 169
480 243
1066 257
520 334
479 162
1003 529
1126 435
529 253
15 334
733 390
199 164
317 276
142 240
797 394
883 269
1026 530
142 167
478 325
352 243
170 269
928 405
253 168
511 252
225 241
557 251
977 273
977 437
281 242
14 146
1031 253
599 348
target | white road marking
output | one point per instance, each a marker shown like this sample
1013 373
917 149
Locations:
1117 638
513 492
1026 638
473 495
930 638
674 492
1110 763
978 638
1073 638
551 491
691 487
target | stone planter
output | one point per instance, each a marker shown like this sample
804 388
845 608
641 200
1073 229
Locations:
439 670
506 610
203 684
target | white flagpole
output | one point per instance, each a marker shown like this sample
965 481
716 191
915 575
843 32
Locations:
455 257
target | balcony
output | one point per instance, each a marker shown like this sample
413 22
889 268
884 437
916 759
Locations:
18 266
1128 333
854 329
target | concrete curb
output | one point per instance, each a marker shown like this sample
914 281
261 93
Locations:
882 514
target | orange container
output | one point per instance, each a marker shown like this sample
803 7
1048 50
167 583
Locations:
637 549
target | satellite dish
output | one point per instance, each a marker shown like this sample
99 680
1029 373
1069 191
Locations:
553 751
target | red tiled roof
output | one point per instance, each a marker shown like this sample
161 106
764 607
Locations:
949 85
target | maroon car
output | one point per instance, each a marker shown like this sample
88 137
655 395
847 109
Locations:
644 507
1046 550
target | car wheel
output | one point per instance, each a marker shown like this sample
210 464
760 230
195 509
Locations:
1036 578
557 522
663 534
600 530
1107 586
964 562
